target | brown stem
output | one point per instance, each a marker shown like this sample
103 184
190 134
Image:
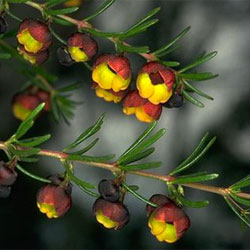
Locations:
113 168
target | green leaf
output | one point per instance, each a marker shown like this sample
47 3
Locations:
62 11
142 166
35 141
138 196
53 3
105 6
28 122
170 63
132 49
198 61
198 76
239 199
191 178
85 158
57 36
143 27
87 148
17 1
196 153
138 141
197 91
137 157
86 134
89 192
245 182
144 19
98 33
133 187
5 56
192 99
242 217
168 51
28 159
171 43
35 177
60 21
70 87
25 153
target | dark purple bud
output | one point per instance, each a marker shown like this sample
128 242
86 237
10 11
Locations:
109 190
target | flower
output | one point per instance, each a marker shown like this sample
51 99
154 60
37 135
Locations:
109 190
109 95
34 35
144 110
63 56
112 72
7 178
37 58
112 215
155 82
3 25
81 47
25 102
167 222
54 200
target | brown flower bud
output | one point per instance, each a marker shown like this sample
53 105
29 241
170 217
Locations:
7 175
109 190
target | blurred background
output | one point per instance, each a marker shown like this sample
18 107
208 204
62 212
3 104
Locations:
216 25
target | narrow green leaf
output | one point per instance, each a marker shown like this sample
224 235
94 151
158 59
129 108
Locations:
5 56
168 51
87 148
242 217
105 6
141 28
144 19
89 192
98 33
192 99
35 177
172 42
86 134
185 202
192 179
197 91
28 159
198 76
129 159
148 142
195 156
26 153
28 122
199 61
53 3
57 36
70 87
62 11
239 199
132 49
76 180
142 166
85 158
244 182
138 196
34 141
170 63
60 21
133 187
138 141
17 1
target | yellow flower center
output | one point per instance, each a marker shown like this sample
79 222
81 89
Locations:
30 44
107 79
162 230
107 96
77 54
154 93
105 221
20 112
48 209
139 113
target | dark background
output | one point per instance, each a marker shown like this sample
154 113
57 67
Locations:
216 25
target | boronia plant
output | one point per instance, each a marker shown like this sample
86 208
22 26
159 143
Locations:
158 84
